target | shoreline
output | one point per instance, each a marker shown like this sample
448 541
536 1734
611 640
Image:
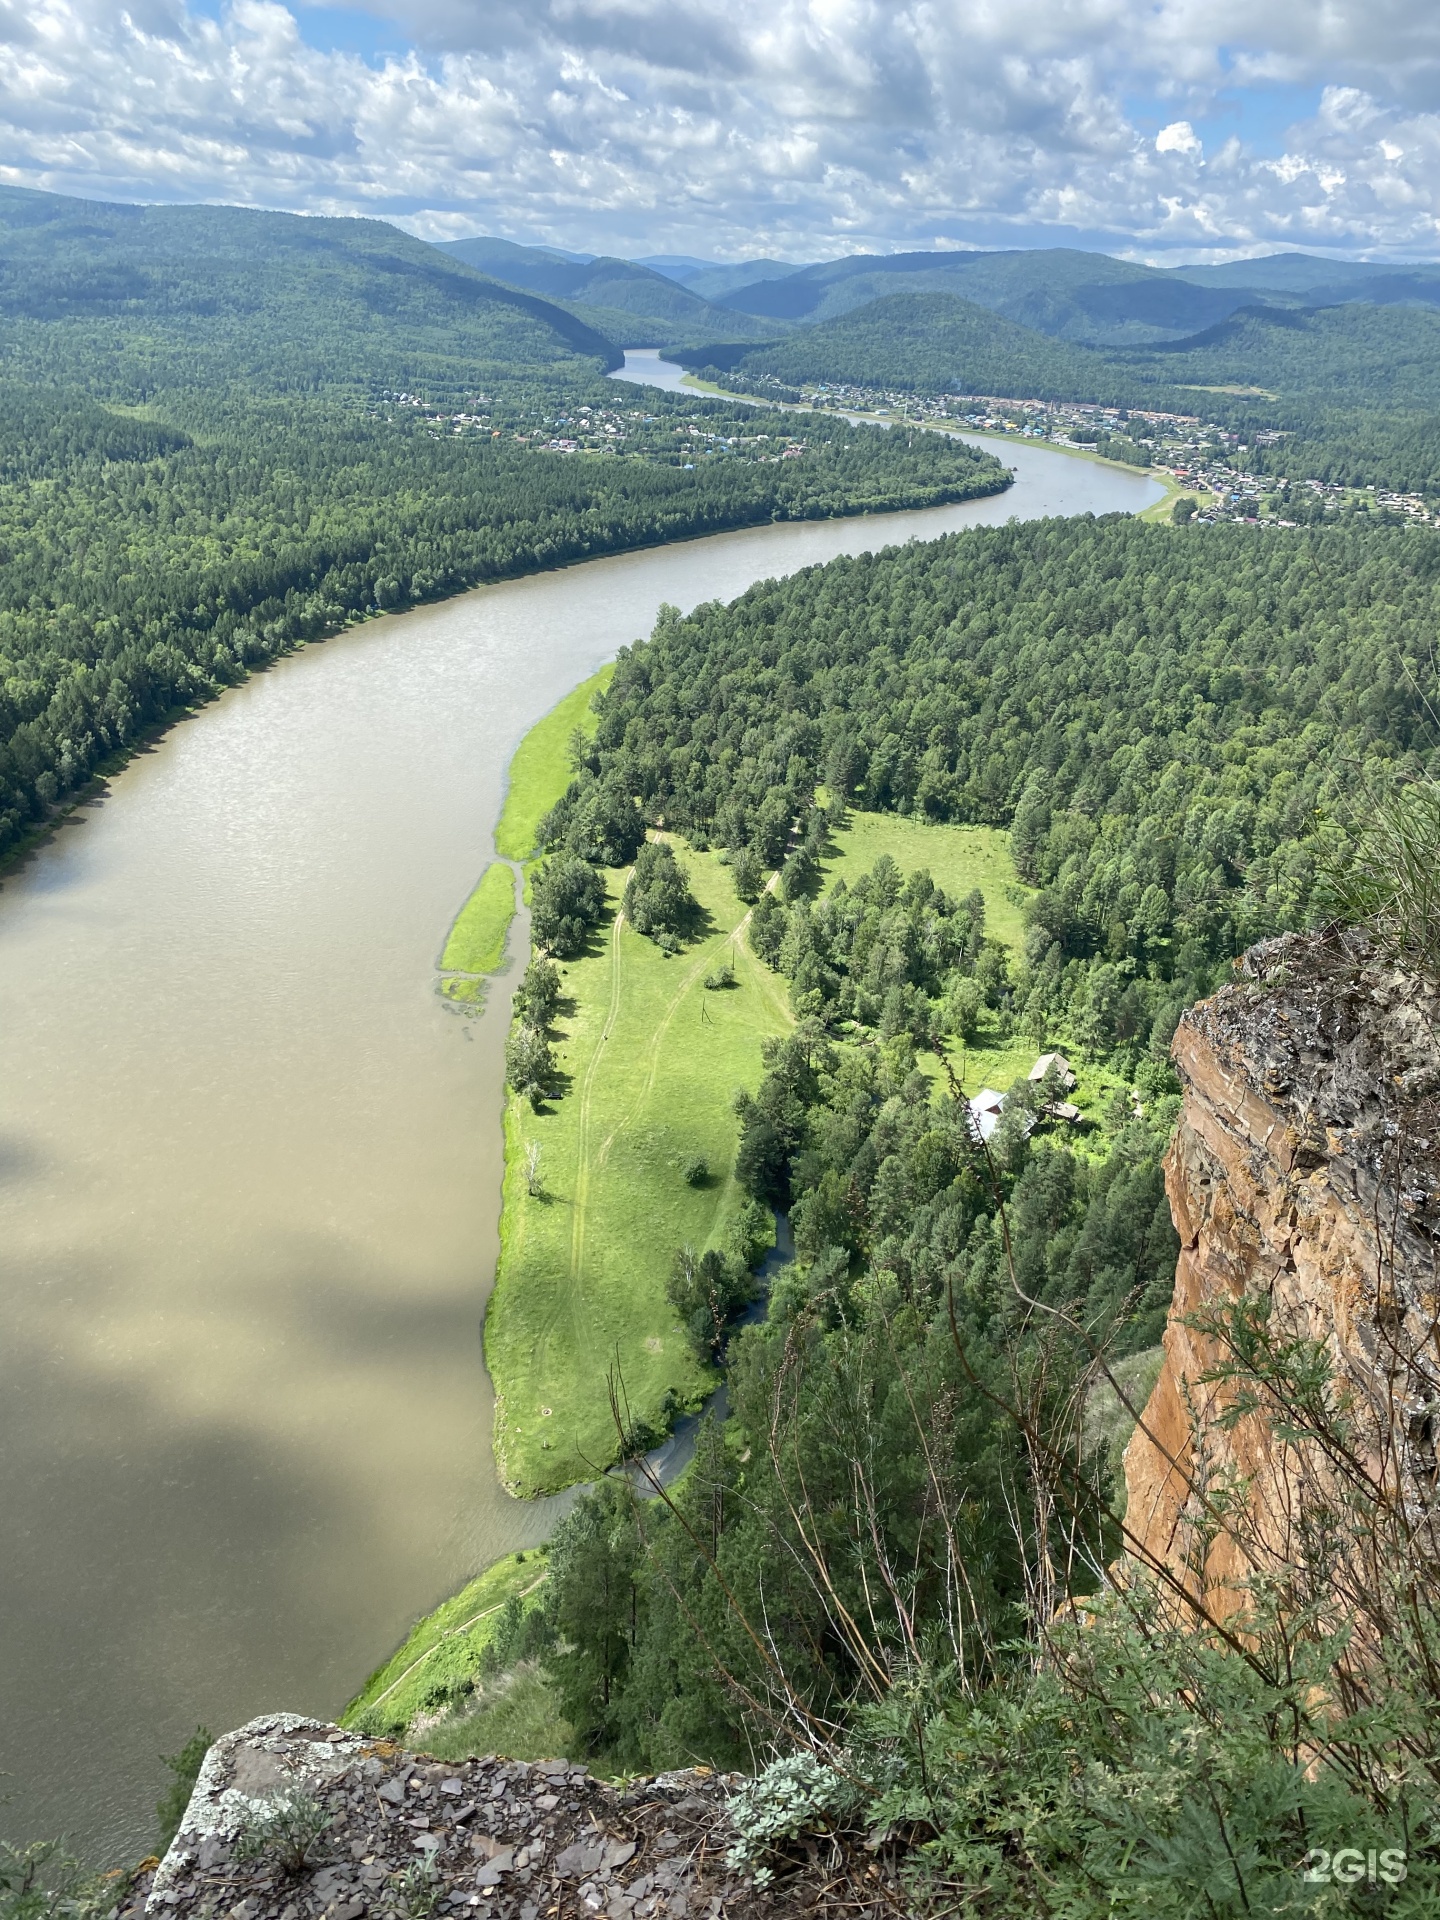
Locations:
36 837
510 832
1156 511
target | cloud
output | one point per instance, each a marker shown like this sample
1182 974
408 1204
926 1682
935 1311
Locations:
1179 137
797 127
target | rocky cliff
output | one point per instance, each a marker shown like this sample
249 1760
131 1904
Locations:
1305 1172
401 1836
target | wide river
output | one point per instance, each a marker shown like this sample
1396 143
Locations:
250 1171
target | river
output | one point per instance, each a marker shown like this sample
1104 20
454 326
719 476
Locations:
250 1171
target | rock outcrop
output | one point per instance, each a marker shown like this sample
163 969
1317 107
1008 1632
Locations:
1305 1170
403 1835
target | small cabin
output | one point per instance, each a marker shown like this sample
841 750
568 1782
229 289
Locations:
985 1111
1043 1065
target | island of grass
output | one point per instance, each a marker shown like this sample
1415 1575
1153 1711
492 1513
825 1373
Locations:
476 943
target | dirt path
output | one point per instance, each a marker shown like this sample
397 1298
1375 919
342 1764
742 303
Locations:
450 1633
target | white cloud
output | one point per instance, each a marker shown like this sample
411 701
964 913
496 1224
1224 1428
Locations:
800 127
1179 137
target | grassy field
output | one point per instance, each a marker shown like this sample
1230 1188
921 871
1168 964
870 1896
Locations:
652 1059
476 943
540 771
958 858
516 1714
443 1650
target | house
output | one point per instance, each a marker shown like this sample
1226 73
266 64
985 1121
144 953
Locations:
1043 1065
985 1110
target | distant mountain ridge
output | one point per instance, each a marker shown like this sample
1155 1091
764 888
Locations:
606 290
1088 298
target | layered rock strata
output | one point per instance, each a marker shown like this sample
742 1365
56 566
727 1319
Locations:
1305 1170
408 1836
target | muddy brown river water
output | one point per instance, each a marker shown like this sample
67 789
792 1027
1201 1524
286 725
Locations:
250 1172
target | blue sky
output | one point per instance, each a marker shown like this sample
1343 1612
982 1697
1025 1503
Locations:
1170 130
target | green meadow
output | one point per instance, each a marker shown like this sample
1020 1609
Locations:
540 771
958 858
652 1059
476 943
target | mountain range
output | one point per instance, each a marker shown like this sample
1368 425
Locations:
1088 298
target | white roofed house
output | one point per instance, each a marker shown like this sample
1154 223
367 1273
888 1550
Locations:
985 1111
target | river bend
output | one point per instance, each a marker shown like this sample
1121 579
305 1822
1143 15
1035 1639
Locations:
250 1171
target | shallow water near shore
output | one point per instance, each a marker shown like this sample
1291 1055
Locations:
250 1171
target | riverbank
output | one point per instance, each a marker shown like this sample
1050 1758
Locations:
1159 510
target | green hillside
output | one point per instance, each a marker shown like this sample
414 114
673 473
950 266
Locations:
129 301
611 295
1071 295
1356 354
937 343
1085 297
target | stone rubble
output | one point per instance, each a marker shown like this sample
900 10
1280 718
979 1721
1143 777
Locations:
413 1838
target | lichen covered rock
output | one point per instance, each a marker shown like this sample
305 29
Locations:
406 1835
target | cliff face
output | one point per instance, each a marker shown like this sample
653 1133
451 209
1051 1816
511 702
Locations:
1306 1170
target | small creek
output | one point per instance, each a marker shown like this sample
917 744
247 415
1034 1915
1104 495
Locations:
250 1170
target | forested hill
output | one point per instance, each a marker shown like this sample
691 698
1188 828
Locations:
630 304
134 301
931 343
1156 716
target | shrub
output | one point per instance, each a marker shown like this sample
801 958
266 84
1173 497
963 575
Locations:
43 1882
286 1829
697 1171
791 1798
